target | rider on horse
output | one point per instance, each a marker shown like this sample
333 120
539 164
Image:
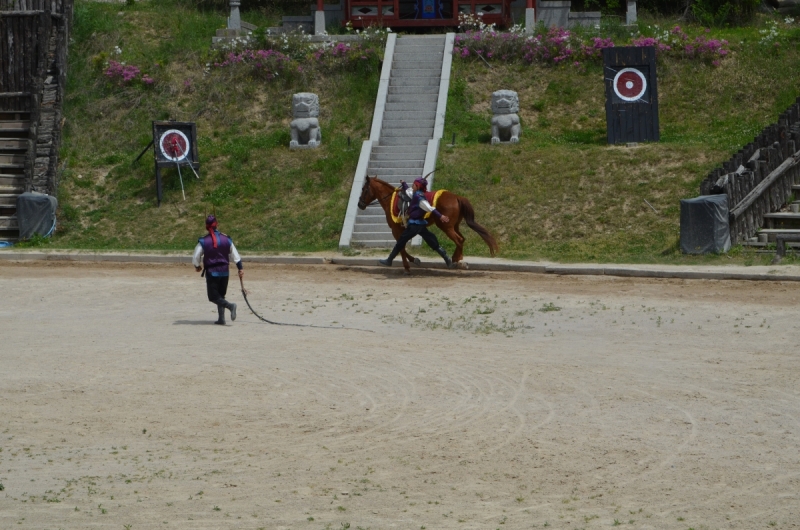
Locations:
417 224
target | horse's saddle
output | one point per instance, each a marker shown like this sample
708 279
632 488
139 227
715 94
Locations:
401 203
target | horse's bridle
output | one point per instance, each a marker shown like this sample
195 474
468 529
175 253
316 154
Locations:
360 202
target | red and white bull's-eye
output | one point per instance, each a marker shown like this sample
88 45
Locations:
174 145
630 84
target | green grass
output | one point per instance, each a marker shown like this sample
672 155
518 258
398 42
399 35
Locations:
564 194
267 197
560 194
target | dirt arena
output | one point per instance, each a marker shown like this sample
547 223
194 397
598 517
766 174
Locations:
477 401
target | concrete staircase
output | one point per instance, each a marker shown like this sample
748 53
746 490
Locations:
408 125
14 144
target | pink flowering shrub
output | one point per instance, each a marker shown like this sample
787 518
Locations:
561 46
121 74
270 64
556 46
264 64
353 57
676 43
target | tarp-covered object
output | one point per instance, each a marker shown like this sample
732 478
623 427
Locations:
704 224
36 214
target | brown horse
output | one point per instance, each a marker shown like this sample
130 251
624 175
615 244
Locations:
455 207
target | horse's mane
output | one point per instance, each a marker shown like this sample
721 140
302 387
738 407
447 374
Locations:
383 182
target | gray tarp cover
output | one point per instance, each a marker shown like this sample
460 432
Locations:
704 224
36 214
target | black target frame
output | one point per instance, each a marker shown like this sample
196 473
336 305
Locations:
631 121
162 159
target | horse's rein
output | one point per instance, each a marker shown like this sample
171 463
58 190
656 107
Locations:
382 198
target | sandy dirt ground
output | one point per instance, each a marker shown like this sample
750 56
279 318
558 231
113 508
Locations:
477 401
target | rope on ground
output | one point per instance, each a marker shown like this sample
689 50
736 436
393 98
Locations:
244 294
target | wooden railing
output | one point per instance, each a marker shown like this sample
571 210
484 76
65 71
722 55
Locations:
33 60
54 6
758 179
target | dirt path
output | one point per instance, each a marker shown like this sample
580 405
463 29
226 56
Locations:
481 400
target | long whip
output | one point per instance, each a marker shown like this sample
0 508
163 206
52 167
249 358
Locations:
244 294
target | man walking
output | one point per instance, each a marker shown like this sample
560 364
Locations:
417 224
216 250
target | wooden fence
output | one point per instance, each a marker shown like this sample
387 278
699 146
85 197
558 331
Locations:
33 61
54 6
23 58
758 179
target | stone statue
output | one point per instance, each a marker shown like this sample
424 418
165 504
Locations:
305 125
505 122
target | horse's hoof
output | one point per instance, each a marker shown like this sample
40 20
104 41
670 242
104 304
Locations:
417 261
463 265
407 272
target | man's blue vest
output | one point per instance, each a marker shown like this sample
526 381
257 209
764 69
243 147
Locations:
215 260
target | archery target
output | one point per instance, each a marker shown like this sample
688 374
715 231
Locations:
629 84
174 145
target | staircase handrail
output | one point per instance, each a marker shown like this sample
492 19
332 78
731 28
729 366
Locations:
747 216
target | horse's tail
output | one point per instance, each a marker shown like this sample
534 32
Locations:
469 216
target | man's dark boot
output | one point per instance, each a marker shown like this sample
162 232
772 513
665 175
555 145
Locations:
232 307
393 254
221 311
443 253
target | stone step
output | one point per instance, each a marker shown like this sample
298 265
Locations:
404 140
383 158
795 187
371 218
434 45
407 106
415 102
417 72
374 228
394 164
414 90
414 81
410 150
385 244
397 173
420 38
8 222
408 64
384 234
394 180
408 114
407 124
419 47
391 156
426 132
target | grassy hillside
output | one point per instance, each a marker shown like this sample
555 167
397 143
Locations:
562 193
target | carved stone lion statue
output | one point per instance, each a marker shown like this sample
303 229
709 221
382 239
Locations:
305 125
505 122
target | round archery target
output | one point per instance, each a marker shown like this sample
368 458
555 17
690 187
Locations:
174 145
629 84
